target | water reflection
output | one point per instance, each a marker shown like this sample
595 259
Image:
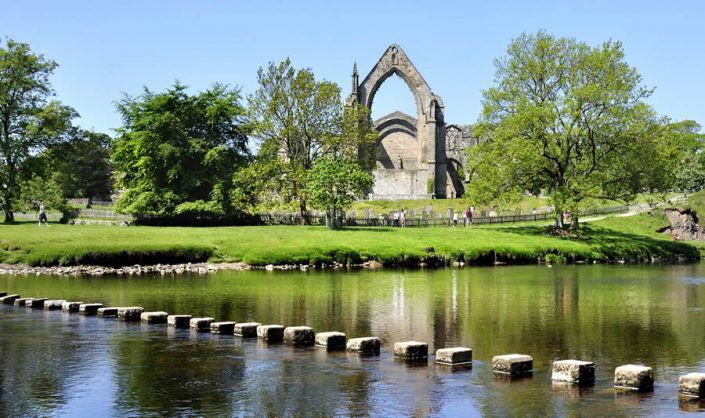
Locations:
58 363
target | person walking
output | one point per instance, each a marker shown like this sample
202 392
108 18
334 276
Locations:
468 217
42 214
402 218
455 219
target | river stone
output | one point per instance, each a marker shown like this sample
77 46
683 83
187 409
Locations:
573 371
53 305
179 321
21 301
130 313
9 299
333 340
299 336
454 355
364 345
108 312
201 324
271 333
36 303
89 308
158 317
513 364
692 385
631 376
226 327
411 350
246 329
71 306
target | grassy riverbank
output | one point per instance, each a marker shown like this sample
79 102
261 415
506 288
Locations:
615 238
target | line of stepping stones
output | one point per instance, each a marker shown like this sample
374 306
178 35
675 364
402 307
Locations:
630 376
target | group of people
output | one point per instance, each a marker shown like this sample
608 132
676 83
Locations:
399 218
467 217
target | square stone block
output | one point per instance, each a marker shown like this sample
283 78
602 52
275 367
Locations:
333 340
22 301
271 333
454 355
107 312
411 350
246 329
178 321
364 345
53 305
71 306
631 376
573 371
299 336
513 364
131 313
692 385
36 303
158 317
89 308
9 299
3 293
201 324
225 327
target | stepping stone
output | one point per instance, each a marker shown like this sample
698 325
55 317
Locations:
201 324
89 308
271 333
333 340
513 364
3 293
692 385
299 336
573 371
157 317
411 350
36 303
226 327
71 306
9 299
454 355
632 376
246 329
131 313
363 345
107 312
53 305
21 301
179 321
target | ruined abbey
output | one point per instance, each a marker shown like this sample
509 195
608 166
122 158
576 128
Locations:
419 156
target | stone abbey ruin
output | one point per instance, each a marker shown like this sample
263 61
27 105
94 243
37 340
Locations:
418 157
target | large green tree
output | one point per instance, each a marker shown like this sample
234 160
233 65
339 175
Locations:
29 121
561 114
296 120
175 153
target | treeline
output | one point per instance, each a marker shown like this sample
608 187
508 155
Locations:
564 119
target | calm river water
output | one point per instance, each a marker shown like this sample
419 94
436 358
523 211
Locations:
56 364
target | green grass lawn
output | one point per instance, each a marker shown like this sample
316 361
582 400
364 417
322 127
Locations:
614 238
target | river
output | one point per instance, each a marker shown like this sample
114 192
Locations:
60 364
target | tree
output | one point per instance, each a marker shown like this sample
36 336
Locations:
334 183
175 153
46 190
296 120
29 122
560 115
81 165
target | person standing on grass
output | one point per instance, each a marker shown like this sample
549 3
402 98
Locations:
402 218
468 217
455 219
42 214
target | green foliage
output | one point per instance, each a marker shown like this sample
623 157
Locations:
335 183
561 115
298 119
176 153
29 122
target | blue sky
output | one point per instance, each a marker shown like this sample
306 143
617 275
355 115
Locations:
108 48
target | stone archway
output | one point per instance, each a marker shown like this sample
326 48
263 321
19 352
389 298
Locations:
420 170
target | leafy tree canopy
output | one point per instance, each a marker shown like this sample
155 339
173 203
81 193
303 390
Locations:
175 153
561 114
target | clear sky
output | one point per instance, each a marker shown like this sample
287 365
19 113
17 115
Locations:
108 48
